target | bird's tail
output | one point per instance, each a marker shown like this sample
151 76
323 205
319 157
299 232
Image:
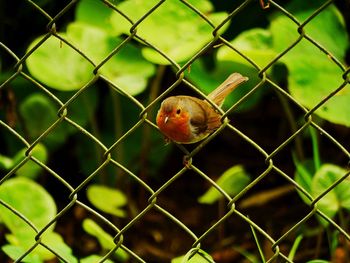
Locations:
219 94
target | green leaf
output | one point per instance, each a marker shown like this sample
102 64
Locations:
107 199
232 181
105 239
86 9
14 252
34 203
200 257
6 163
337 197
303 176
256 44
334 242
31 200
58 65
127 68
32 109
327 28
318 261
94 259
173 27
36 123
249 256
31 169
25 240
312 75
80 111
209 80
295 247
57 244
317 183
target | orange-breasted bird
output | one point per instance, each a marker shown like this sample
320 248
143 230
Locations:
186 119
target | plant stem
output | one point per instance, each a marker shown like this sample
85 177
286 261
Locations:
95 132
295 247
319 243
146 132
315 149
261 253
293 126
118 130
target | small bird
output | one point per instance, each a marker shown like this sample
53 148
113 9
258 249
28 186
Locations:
186 119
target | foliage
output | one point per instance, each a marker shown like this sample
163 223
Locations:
232 181
321 180
61 67
317 183
107 199
311 74
18 193
29 169
200 256
105 239
185 31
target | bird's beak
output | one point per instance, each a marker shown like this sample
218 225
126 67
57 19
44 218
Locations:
166 119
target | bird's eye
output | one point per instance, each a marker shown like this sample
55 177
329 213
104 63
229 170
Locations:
178 111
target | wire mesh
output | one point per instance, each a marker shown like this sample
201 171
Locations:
268 158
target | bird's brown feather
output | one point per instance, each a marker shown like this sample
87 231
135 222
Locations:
219 94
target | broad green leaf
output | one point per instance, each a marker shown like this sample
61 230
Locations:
232 181
88 9
207 81
57 244
105 239
26 240
58 65
32 109
127 68
35 204
107 199
318 261
31 200
327 28
256 44
31 169
339 196
317 183
6 163
312 75
200 257
173 27
303 176
94 259
36 123
80 111
14 252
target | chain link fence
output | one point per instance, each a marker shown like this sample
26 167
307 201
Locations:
272 243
